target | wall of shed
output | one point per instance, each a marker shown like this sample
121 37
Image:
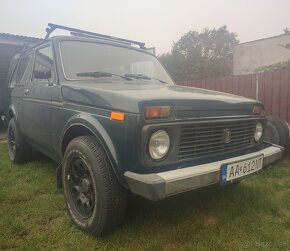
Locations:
6 53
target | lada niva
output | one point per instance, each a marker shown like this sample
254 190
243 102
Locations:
107 111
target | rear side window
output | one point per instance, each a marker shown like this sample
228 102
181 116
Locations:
23 72
44 66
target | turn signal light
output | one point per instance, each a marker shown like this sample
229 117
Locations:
258 110
120 116
156 112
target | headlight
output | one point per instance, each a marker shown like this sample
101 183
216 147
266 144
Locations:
258 132
159 144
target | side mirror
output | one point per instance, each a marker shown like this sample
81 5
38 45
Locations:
42 74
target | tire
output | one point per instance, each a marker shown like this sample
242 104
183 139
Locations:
283 130
287 147
272 134
18 150
95 200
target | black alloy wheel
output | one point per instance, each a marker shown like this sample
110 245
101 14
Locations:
19 151
80 186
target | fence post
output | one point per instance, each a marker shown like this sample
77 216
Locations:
257 87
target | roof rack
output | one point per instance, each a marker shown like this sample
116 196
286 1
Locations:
77 34
52 27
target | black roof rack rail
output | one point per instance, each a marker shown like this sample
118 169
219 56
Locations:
52 27
77 34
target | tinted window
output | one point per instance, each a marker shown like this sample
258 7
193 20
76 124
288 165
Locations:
23 72
43 67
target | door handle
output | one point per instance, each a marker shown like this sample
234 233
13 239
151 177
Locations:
26 92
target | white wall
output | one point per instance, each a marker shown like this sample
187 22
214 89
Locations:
251 55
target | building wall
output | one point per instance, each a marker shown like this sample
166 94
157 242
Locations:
252 55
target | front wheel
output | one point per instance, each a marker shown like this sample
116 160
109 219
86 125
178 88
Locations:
96 201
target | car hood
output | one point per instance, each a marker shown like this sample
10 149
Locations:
131 97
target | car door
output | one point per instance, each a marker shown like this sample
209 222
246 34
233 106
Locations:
21 78
37 102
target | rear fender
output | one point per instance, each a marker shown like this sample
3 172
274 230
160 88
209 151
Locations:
11 113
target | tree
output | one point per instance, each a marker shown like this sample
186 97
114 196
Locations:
201 54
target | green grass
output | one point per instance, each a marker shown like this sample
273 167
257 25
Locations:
254 215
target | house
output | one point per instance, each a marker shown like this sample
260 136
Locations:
263 52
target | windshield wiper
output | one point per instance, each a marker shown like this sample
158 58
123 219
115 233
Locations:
143 76
101 74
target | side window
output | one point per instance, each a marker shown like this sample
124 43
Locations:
23 71
43 66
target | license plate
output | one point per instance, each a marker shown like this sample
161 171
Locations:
236 170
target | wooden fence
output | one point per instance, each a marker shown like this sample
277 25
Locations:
272 88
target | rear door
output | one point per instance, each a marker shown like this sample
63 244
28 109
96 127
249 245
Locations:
37 102
21 78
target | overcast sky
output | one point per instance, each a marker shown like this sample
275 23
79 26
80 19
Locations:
158 23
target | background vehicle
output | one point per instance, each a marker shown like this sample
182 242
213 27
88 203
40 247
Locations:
109 113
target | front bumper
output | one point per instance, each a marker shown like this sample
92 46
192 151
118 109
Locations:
158 186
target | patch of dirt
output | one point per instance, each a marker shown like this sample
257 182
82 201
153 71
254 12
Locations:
170 246
208 219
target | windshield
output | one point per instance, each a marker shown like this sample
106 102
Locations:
87 60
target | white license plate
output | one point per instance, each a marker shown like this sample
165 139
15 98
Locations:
236 170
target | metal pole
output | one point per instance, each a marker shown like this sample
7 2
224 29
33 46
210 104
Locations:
257 87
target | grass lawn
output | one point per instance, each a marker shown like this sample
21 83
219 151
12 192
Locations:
254 215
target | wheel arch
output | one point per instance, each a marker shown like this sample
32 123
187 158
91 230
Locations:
85 124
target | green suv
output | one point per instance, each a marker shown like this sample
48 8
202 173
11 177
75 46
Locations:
107 111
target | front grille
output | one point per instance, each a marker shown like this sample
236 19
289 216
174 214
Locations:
204 139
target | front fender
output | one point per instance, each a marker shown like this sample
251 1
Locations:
97 129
